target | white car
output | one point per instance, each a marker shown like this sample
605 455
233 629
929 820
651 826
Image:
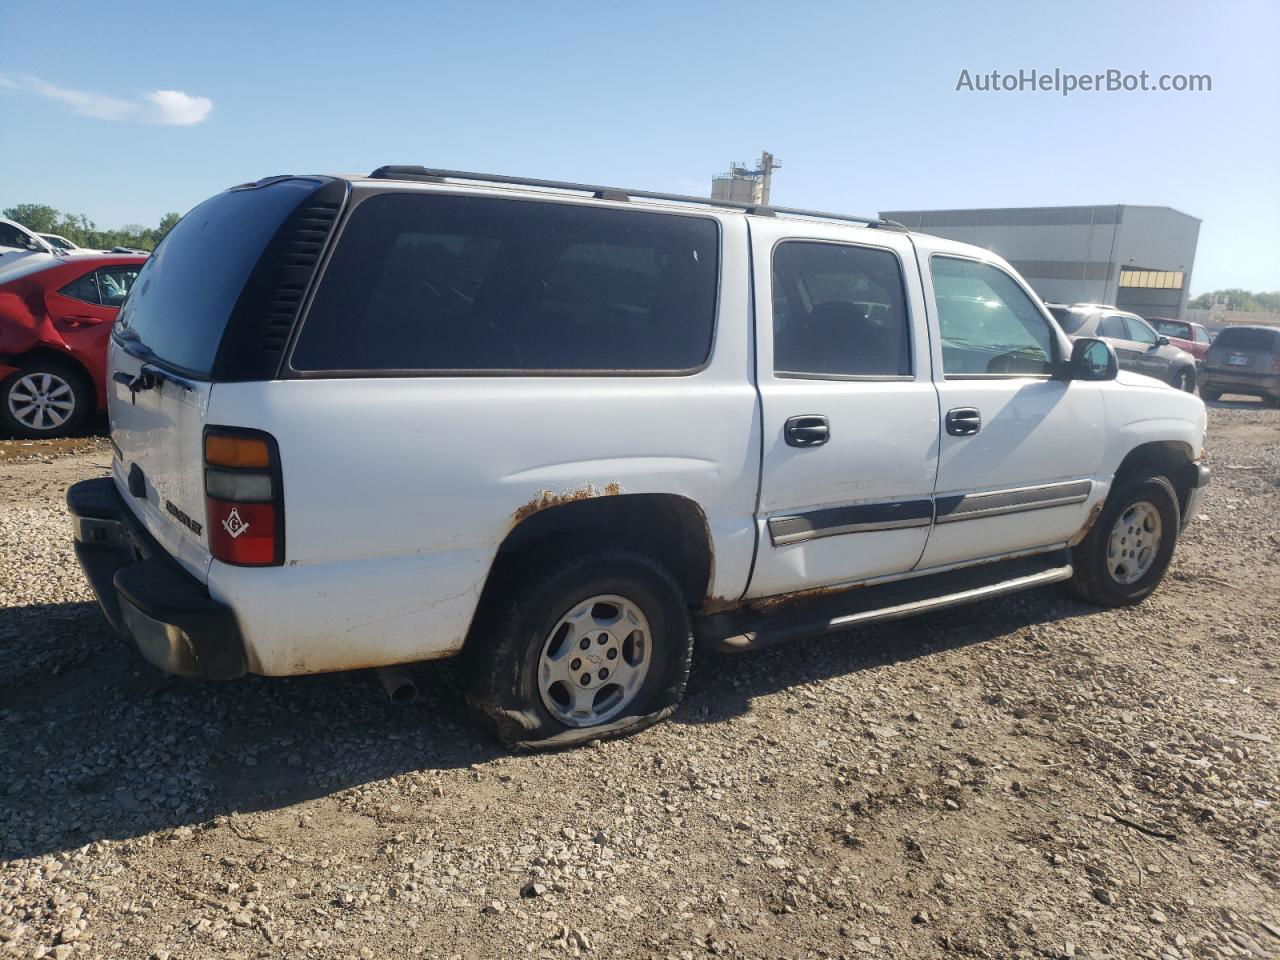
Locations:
561 430
18 245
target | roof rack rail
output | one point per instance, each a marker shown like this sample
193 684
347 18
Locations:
431 175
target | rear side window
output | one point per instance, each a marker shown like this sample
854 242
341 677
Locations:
1069 320
1112 327
184 295
839 310
447 283
83 288
114 284
989 326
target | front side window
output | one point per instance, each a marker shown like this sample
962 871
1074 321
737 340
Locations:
83 288
448 283
1139 331
1202 335
839 310
11 236
114 284
989 326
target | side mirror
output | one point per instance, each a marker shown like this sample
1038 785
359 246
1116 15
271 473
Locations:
1092 359
1162 340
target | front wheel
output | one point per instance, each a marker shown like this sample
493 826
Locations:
579 646
1185 379
1127 551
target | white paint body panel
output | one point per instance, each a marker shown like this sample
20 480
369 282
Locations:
161 430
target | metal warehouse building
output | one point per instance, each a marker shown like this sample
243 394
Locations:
1138 258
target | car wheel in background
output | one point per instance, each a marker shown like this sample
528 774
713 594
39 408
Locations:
44 399
579 645
1126 552
1210 396
1185 379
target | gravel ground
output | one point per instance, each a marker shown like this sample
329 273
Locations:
1024 778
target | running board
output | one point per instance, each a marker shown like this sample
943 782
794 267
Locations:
772 620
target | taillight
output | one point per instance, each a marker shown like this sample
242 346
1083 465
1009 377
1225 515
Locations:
243 497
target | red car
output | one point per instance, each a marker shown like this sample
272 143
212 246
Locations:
1191 337
55 319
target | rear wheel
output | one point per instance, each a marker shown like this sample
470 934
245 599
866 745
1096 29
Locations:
1125 555
1185 379
579 646
44 399
1211 396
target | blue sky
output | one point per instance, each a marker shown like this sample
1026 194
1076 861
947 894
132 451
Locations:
857 99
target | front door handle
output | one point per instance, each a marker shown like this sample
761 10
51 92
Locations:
964 421
810 430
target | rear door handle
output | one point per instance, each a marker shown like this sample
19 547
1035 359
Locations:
964 421
809 430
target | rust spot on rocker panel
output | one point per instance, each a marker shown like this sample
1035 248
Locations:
786 599
714 605
549 498
1094 513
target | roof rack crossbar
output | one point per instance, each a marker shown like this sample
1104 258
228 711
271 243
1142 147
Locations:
431 175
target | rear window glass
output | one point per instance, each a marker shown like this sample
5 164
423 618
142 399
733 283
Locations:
179 306
442 283
1246 339
1172 328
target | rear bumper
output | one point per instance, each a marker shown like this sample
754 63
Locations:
161 609
1199 484
1234 381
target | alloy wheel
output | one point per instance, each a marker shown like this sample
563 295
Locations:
594 661
1134 542
42 401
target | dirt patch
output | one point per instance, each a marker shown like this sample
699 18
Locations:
50 449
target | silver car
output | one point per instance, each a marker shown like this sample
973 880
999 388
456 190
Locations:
1138 347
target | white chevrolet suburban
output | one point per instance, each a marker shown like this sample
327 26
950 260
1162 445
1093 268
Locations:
564 430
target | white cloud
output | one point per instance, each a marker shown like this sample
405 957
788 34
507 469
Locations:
162 107
173 107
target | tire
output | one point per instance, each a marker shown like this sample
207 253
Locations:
57 384
1110 580
1184 378
1210 396
517 649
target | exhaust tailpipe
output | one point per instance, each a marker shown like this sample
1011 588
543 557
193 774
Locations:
401 690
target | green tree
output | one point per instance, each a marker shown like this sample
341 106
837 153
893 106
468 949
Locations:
1237 299
79 229
39 217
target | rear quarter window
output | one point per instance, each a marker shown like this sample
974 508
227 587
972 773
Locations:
438 284
180 304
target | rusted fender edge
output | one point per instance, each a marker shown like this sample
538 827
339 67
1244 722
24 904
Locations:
545 499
